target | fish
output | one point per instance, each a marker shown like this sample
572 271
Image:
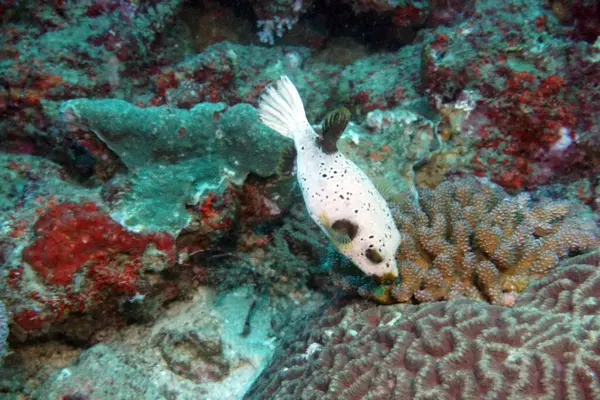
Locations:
340 198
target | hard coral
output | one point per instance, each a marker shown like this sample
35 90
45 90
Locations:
573 290
459 349
469 238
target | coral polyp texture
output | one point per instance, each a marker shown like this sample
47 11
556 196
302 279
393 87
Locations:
470 238
461 349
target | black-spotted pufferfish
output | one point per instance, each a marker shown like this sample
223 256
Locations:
339 196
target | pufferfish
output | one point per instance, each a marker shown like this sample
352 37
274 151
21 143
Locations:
339 196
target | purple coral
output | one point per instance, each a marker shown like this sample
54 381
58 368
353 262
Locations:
540 349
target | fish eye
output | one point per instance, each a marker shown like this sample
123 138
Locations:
373 255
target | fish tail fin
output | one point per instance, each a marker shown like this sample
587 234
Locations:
281 109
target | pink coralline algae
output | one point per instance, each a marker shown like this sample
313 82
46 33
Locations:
546 347
88 263
535 119
72 237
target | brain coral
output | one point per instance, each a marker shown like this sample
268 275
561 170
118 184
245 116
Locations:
469 238
545 347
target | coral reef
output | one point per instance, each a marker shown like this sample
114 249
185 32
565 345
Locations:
194 349
88 263
469 238
87 379
381 81
183 154
277 258
145 225
388 145
545 347
141 136
71 237
572 290
82 49
232 73
535 118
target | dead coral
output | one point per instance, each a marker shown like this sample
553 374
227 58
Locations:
469 238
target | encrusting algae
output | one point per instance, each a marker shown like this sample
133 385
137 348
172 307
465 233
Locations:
469 238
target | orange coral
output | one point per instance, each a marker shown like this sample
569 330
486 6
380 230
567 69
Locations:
476 235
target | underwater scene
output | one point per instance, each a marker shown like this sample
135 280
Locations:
299 199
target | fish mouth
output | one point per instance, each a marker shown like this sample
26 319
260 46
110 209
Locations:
387 278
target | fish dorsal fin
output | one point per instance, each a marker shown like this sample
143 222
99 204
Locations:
333 126
287 159
385 190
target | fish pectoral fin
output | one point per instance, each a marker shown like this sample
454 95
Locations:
287 159
345 227
343 232
333 126
341 241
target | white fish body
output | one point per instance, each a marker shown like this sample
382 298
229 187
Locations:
335 190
